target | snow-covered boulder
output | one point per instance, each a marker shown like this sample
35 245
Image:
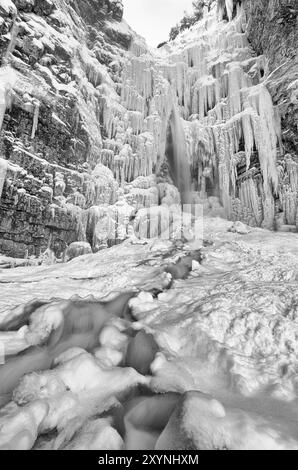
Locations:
202 422
97 435
239 227
19 426
77 249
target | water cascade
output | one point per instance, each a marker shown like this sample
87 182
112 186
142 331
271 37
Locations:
177 156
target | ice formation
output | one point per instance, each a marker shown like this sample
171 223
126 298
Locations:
232 119
7 82
232 128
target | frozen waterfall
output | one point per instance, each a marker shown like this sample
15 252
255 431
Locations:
177 156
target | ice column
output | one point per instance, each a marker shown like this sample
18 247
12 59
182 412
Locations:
3 171
7 81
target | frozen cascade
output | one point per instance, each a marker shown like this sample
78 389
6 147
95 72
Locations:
229 7
35 118
177 156
227 112
208 333
7 81
209 77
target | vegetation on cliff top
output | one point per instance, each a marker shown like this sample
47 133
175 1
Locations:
190 19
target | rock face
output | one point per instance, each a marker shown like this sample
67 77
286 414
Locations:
273 31
85 112
55 56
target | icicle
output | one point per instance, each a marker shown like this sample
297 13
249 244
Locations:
265 133
7 81
35 117
249 198
12 43
235 85
248 136
230 8
277 125
3 171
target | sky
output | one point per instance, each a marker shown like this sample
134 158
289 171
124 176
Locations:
153 19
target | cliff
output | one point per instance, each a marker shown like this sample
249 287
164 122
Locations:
60 65
273 31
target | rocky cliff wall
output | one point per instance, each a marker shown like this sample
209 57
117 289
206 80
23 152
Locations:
273 31
85 111
60 65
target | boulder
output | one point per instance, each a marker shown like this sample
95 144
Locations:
25 5
77 249
44 7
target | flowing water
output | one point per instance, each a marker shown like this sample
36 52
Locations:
177 156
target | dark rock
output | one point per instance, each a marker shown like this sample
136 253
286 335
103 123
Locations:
141 352
44 7
25 5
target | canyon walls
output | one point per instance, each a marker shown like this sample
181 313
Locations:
86 109
60 62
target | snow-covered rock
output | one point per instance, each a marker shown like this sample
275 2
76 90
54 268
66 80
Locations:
19 426
239 227
77 249
203 423
97 435
83 373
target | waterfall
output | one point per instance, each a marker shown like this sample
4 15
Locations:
177 156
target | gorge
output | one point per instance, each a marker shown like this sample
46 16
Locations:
104 140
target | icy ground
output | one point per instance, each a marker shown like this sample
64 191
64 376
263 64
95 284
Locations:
227 335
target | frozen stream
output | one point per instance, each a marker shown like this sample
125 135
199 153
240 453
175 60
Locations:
216 352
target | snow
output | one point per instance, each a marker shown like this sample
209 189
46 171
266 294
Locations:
202 422
97 435
227 331
19 426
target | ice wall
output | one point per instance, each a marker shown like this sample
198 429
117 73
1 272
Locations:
211 76
232 126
